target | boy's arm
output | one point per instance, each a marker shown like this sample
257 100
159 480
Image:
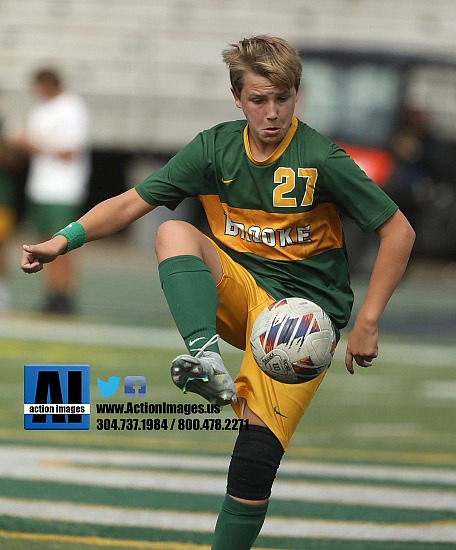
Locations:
104 219
396 241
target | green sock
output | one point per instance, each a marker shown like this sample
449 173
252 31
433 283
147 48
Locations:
191 294
238 525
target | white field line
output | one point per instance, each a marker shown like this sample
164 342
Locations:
34 465
50 330
218 464
68 331
203 522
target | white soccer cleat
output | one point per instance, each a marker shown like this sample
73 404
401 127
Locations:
205 375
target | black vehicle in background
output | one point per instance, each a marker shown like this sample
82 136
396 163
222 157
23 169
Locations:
395 114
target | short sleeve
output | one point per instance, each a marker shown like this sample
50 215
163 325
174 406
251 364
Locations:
183 176
355 193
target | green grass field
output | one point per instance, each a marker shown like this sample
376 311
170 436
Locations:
371 467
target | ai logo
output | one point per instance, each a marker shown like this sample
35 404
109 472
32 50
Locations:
56 397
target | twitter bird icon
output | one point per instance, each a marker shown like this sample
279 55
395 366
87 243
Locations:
108 388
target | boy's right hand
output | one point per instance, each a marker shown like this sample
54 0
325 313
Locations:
34 256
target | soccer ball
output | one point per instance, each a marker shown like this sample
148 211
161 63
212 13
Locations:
293 340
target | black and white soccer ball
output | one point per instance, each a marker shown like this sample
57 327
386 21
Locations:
293 340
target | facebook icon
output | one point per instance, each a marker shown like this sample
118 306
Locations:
135 386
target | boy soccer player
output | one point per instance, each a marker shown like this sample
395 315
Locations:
273 191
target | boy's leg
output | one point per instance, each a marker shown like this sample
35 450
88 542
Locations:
273 410
190 291
257 453
253 467
245 506
189 268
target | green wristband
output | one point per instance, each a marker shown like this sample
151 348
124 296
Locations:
74 233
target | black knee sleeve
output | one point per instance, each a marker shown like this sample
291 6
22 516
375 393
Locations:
254 463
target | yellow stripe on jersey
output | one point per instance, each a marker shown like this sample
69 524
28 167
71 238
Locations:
275 236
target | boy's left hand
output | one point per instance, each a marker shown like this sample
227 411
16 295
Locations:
362 346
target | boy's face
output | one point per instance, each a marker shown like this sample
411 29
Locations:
269 111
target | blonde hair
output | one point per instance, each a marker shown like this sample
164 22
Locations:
268 56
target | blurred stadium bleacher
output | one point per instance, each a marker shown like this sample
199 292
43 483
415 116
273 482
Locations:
152 72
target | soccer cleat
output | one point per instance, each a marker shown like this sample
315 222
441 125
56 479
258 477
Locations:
205 375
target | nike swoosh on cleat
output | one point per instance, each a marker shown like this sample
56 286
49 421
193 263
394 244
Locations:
191 342
278 412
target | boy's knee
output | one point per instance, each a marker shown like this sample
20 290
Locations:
172 234
170 229
254 463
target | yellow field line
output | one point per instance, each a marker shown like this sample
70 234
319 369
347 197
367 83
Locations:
103 542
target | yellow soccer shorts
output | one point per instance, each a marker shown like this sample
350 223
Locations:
280 406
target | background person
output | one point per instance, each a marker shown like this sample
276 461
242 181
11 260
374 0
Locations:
57 139
418 165
272 190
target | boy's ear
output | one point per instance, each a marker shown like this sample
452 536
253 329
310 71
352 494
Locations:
237 99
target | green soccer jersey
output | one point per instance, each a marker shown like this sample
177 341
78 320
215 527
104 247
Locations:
279 218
